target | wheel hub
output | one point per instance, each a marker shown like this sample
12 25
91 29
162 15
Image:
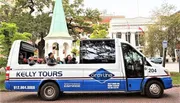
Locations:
49 91
154 89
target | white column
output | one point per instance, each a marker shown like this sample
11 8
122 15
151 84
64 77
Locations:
50 44
133 41
114 35
70 47
61 48
46 48
123 36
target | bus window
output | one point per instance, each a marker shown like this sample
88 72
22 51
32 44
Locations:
133 62
97 51
26 51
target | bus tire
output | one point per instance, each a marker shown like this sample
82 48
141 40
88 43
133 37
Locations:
49 91
154 89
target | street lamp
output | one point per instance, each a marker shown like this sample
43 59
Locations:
164 44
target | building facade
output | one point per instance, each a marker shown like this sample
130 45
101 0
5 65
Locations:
129 29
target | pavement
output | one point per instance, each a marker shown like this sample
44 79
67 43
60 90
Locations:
170 96
172 67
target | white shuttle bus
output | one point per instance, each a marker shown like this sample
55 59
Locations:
104 65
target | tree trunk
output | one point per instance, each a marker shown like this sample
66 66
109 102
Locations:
41 45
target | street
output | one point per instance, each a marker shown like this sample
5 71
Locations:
170 96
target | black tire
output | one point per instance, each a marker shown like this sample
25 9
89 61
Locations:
50 88
154 89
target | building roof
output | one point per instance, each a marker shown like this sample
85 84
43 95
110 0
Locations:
131 21
107 19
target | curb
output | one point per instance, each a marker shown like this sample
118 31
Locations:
3 91
176 85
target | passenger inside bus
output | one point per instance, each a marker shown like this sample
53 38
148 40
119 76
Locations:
70 60
51 60
28 55
22 60
59 61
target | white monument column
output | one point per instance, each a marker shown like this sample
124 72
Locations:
123 36
133 41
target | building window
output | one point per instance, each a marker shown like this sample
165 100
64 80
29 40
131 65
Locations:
137 34
118 35
97 51
128 37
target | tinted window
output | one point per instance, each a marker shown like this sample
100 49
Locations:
97 51
133 61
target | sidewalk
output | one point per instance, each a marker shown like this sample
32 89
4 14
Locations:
172 67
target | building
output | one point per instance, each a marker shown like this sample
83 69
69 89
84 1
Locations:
129 29
107 18
58 41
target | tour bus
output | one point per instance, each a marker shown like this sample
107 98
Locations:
104 65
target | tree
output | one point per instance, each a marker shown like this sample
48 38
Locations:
99 31
29 15
166 27
79 18
8 34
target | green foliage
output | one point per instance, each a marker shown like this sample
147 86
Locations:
166 27
80 18
75 51
99 31
8 34
30 16
2 79
78 42
3 62
175 76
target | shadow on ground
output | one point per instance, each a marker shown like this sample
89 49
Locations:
83 96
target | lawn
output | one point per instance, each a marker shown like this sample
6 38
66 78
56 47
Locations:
2 78
175 76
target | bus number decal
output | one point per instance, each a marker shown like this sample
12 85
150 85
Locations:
151 70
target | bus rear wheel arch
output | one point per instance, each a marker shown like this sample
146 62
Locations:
154 89
49 91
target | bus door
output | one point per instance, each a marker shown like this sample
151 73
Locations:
134 67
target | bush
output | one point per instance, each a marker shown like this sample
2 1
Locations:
75 51
3 62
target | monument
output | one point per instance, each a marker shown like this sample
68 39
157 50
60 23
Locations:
58 40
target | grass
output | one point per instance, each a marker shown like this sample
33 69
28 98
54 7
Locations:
175 76
2 79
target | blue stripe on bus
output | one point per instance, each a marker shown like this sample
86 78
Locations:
167 82
134 84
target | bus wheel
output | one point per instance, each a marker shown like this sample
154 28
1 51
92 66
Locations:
154 89
49 91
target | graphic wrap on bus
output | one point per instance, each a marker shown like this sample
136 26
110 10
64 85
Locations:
105 65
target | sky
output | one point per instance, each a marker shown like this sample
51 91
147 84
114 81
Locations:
129 8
